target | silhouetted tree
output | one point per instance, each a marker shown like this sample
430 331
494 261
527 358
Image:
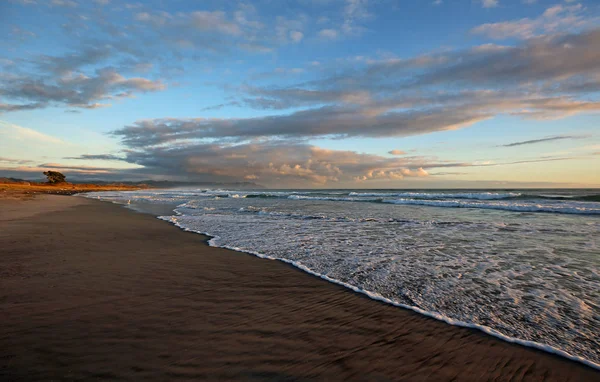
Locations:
55 177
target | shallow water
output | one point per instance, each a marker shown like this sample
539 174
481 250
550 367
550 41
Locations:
525 264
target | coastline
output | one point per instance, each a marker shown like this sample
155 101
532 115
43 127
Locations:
146 287
379 298
27 190
210 239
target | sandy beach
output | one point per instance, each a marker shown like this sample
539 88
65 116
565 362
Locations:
91 290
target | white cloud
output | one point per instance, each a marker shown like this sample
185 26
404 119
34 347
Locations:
289 29
22 34
22 145
323 20
216 20
296 36
489 3
63 3
555 19
15 132
330 34
354 12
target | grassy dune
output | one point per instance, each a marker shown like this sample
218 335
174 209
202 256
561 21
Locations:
21 190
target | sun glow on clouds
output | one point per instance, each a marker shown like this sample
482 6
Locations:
532 69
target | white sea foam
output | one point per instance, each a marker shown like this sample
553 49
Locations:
570 207
378 297
581 208
526 278
438 195
333 198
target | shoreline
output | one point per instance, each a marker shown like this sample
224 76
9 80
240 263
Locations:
424 348
379 298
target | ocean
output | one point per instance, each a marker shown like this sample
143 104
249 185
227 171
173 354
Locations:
522 265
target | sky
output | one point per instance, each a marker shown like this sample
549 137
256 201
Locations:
303 93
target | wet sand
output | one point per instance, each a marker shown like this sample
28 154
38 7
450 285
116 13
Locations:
91 290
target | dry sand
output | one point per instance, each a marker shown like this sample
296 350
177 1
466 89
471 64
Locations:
28 190
90 290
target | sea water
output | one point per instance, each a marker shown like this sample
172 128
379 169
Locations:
523 265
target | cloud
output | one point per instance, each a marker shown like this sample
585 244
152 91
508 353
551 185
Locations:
536 160
444 173
97 157
541 140
285 98
214 21
590 147
296 36
293 163
71 172
15 161
543 77
489 3
12 107
289 30
572 55
330 34
104 54
87 76
58 166
154 42
392 175
74 61
375 98
379 98
559 18
272 163
216 33
398 118
326 121
63 3
355 11
551 70
277 72
75 90
15 132
348 21
220 106
21 34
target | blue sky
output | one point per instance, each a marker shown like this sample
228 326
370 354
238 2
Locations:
305 93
